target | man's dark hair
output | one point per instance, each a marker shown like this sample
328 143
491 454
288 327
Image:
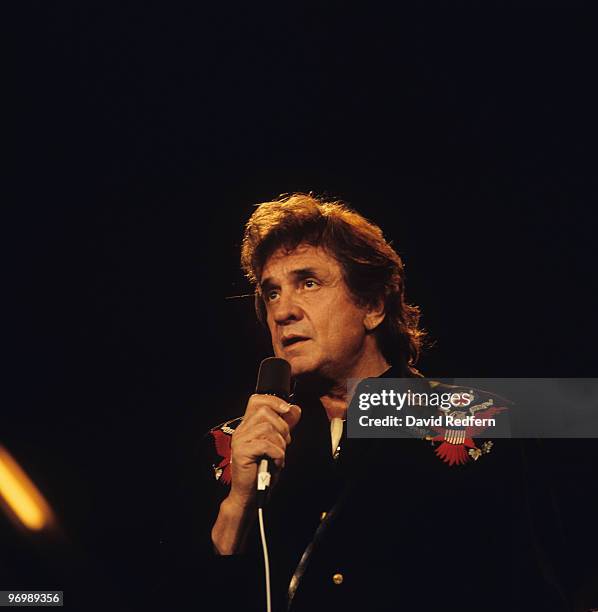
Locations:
372 270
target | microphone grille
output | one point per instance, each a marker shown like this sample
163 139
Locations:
274 377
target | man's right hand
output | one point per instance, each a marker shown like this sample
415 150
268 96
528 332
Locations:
265 431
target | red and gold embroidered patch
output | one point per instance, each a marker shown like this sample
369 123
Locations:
221 437
457 445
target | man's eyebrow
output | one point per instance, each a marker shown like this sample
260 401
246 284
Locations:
305 272
299 274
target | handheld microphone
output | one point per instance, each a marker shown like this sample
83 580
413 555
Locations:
274 378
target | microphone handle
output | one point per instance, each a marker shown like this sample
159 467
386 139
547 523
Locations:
266 465
264 475
265 469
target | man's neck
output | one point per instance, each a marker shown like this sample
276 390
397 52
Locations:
336 398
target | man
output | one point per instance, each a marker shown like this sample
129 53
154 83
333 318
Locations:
324 305
358 524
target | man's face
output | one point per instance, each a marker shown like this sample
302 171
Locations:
314 322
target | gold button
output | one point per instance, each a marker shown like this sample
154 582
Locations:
323 515
337 578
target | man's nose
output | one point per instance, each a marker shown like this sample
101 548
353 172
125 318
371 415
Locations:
287 309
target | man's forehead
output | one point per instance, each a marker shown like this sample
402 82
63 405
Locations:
282 261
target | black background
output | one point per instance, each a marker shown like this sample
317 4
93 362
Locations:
146 133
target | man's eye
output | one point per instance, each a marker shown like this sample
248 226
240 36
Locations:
310 283
271 295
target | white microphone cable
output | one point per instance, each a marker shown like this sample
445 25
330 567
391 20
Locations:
260 514
263 483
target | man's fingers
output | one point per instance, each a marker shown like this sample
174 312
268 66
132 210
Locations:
265 415
293 416
275 403
266 431
241 445
263 447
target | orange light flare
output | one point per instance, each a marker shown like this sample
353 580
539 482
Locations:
22 501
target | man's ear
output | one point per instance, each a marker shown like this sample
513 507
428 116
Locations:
374 315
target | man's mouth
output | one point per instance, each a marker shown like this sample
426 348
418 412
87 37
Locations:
291 340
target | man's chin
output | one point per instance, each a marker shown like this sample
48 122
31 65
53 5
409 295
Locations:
301 366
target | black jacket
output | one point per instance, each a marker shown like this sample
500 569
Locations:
402 529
